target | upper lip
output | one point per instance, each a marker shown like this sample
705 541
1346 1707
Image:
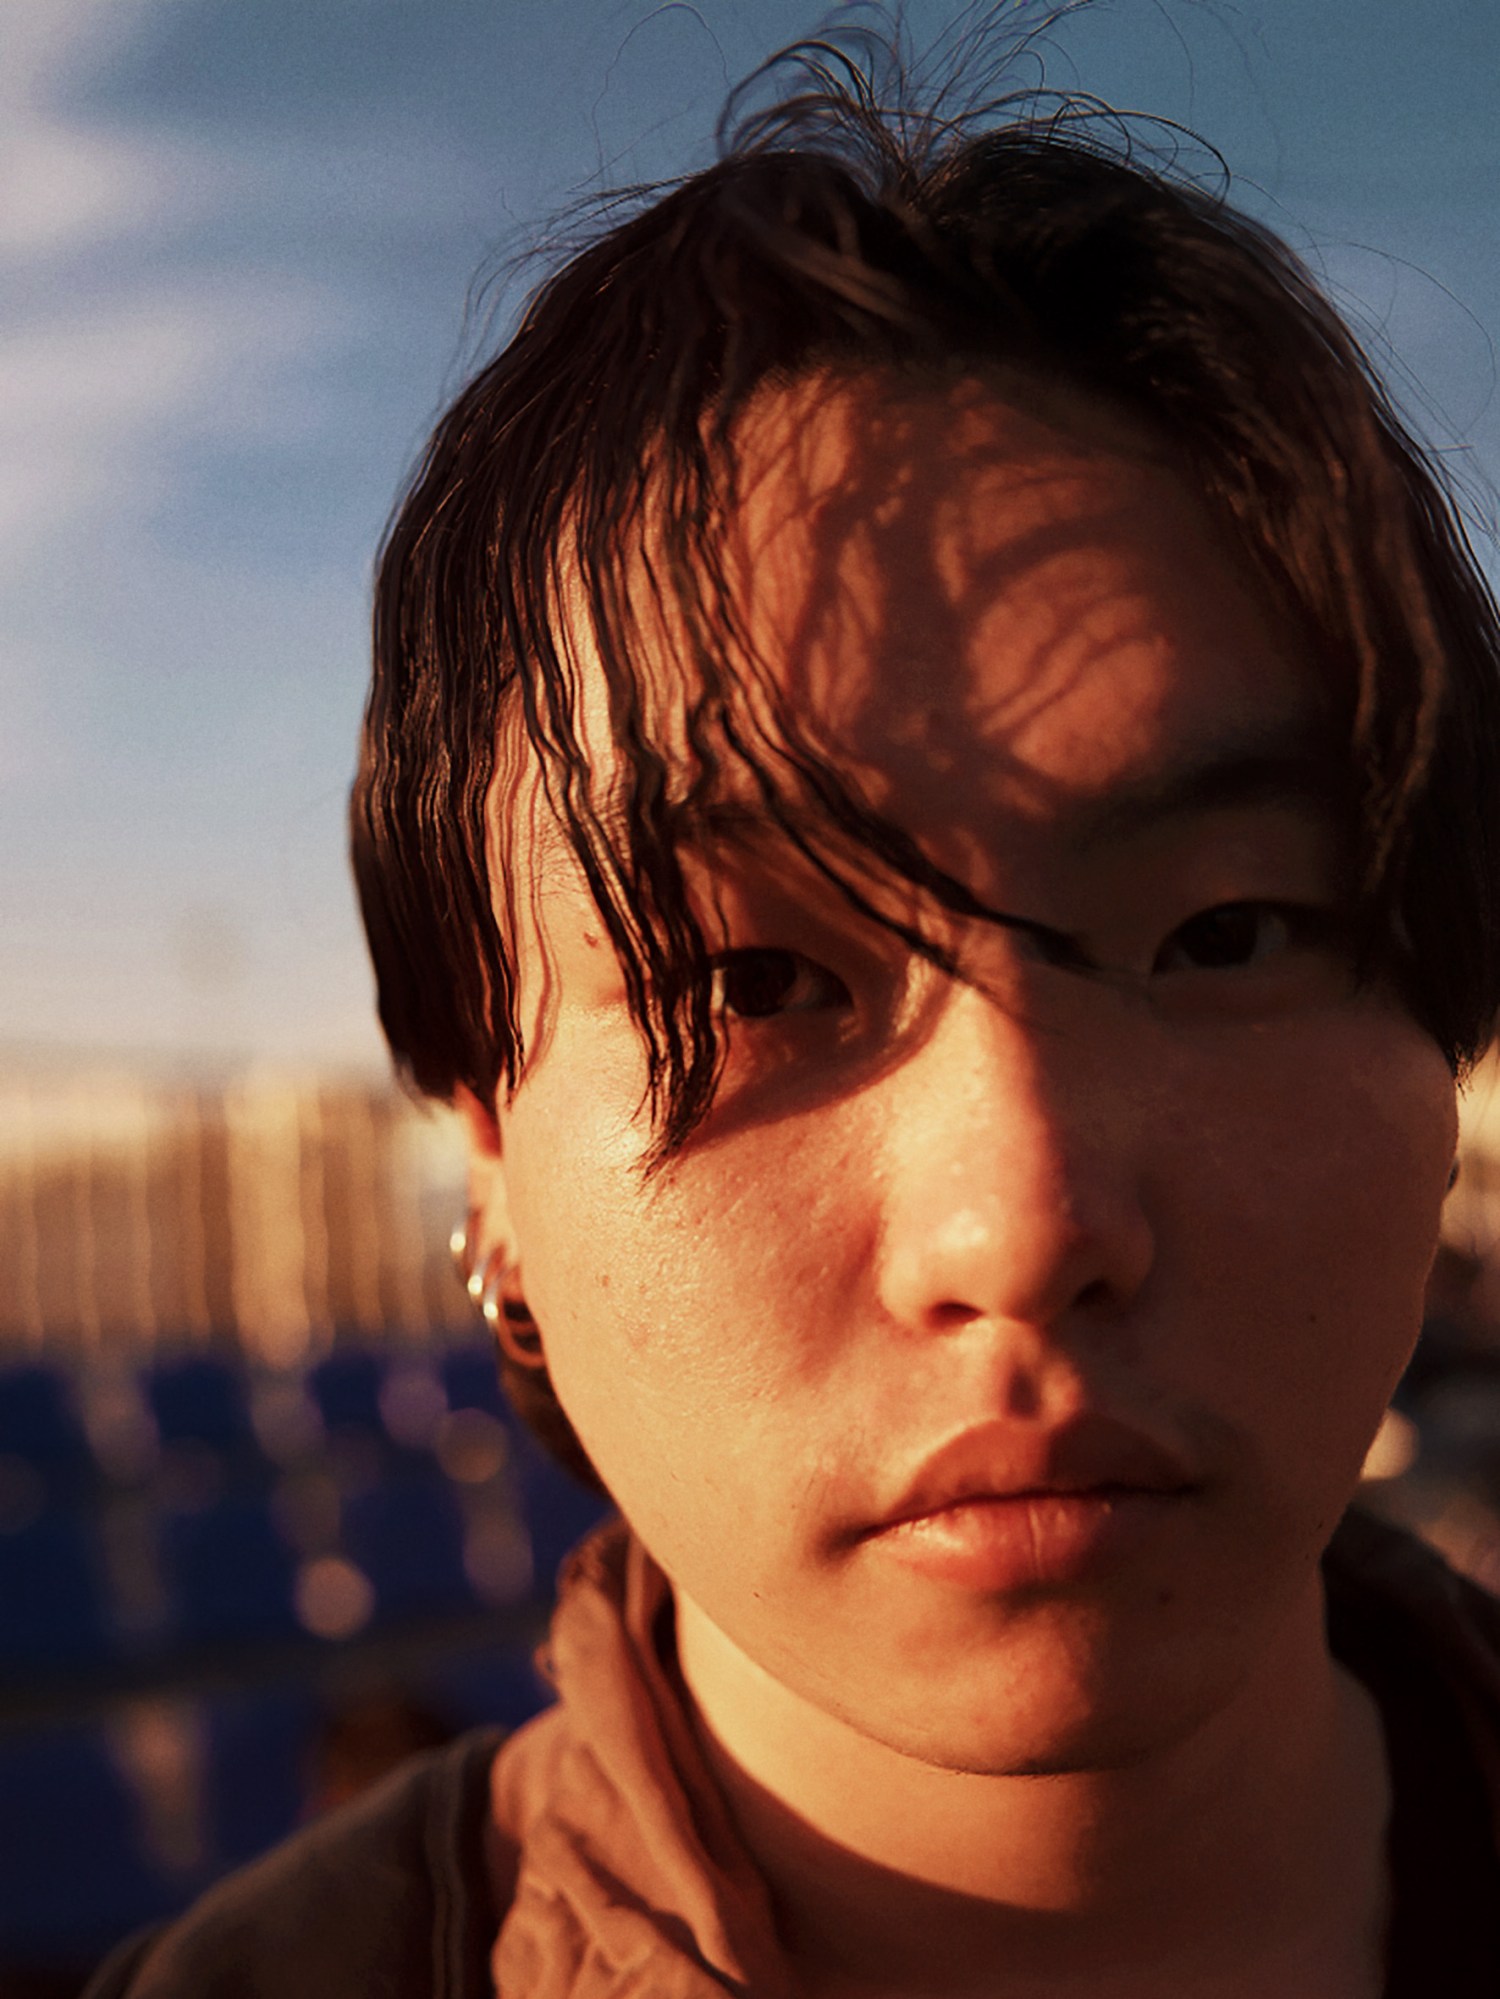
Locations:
1089 1453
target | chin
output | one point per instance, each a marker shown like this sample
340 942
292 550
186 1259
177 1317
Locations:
1038 1746
1091 1745
1052 1709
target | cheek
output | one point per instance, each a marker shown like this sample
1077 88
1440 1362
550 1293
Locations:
1330 1162
675 1309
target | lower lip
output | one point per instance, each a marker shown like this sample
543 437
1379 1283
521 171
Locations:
1029 1539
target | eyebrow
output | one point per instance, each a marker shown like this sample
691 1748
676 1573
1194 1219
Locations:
1290 764
1287 767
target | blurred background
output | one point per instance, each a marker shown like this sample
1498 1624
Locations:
264 1524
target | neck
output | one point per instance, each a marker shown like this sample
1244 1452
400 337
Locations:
1246 1856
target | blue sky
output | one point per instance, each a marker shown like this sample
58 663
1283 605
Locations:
236 242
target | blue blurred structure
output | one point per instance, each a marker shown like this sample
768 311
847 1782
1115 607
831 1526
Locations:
345 1389
53 1610
199 1399
40 1425
229 1574
182 1619
74 1866
406 1534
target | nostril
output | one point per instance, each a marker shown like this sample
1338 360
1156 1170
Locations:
952 1316
1097 1296
1023 1396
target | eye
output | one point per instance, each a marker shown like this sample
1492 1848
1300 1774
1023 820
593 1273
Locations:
759 983
1236 935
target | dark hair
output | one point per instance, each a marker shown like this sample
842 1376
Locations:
834 234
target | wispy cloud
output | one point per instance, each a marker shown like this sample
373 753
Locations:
93 400
61 186
63 183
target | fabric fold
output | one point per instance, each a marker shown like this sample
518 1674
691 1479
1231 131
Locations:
632 1877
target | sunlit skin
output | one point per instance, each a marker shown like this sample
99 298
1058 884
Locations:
1129 1222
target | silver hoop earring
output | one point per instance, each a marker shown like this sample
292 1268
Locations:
494 1289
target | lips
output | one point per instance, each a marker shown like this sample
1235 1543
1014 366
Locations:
1092 1453
999 1507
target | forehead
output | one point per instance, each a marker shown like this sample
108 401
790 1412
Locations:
1027 598
977 605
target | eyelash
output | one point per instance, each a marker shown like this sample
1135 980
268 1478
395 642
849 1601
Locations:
780 971
1298 926
769 982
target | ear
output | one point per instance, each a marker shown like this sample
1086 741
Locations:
489 1197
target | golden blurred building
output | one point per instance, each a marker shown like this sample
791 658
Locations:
272 1211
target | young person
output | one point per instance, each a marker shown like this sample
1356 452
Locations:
927 792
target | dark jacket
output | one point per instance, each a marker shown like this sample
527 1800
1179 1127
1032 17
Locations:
387 1898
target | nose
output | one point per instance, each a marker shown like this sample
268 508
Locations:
1013 1193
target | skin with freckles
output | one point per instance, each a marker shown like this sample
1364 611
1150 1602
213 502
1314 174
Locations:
989 1370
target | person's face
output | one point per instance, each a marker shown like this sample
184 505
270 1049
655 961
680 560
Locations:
1101 1258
